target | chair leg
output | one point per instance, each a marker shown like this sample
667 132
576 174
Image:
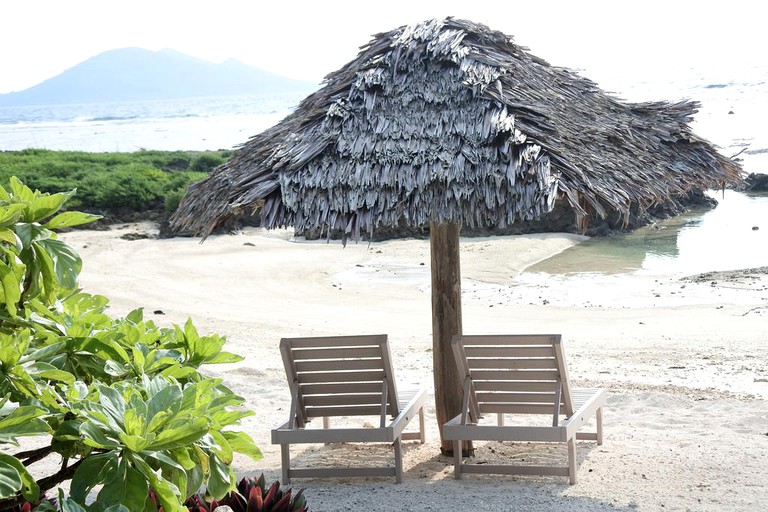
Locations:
422 437
572 459
285 455
599 426
457 459
398 461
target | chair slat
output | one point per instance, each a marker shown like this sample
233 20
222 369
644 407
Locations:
516 397
337 341
478 375
511 364
510 351
350 399
341 388
348 410
512 339
337 353
528 386
332 365
358 376
494 408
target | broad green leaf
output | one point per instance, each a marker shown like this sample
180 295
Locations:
167 493
66 261
4 195
67 504
14 478
11 287
20 191
221 478
171 470
226 417
45 371
93 471
223 357
224 451
121 508
44 205
23 421
163 406
136 316
95 437
113 403
130 488
135 443
10 214
9 236
29 233
70 219
243 443
185 434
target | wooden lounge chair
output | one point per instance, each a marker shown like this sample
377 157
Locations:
526 375
345 376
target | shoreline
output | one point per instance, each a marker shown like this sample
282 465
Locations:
685 423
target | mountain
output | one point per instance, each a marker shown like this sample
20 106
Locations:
136 74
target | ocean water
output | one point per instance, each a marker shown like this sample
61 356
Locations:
207 123
734 235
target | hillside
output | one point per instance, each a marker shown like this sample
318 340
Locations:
131 74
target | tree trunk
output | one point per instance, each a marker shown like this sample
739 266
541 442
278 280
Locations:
446 322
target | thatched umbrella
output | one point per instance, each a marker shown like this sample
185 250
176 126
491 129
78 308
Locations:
447 123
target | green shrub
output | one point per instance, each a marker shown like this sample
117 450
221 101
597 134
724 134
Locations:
122 403
138 181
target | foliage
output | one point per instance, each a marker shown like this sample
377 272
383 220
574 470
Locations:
121 401
252 495
139 181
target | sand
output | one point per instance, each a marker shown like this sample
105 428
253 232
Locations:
684 360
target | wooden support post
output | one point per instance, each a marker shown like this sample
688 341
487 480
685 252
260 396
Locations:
446 322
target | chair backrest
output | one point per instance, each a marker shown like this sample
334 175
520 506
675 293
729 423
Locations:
518 374
339 376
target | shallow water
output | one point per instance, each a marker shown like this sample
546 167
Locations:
723 238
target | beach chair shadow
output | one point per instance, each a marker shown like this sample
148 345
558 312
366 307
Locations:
348 379
525 377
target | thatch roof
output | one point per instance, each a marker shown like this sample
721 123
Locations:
448 120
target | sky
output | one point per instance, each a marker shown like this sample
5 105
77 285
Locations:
607 41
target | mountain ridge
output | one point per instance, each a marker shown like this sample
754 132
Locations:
135 74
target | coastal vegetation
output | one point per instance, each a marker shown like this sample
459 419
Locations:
117 405
114 185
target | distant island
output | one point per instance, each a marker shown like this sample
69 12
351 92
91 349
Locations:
136 74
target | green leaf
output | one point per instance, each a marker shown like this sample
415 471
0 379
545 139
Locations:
167 493
129 488
70 219
44 205
177 437
23 421
14 478
11 287
10 214
20 191
221 478
66 261
94 470
95 437
243 443
9 236
135 443
67 504
45 371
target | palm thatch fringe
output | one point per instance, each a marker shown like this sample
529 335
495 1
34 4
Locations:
449 121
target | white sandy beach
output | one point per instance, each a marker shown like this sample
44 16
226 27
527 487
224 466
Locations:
685 363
